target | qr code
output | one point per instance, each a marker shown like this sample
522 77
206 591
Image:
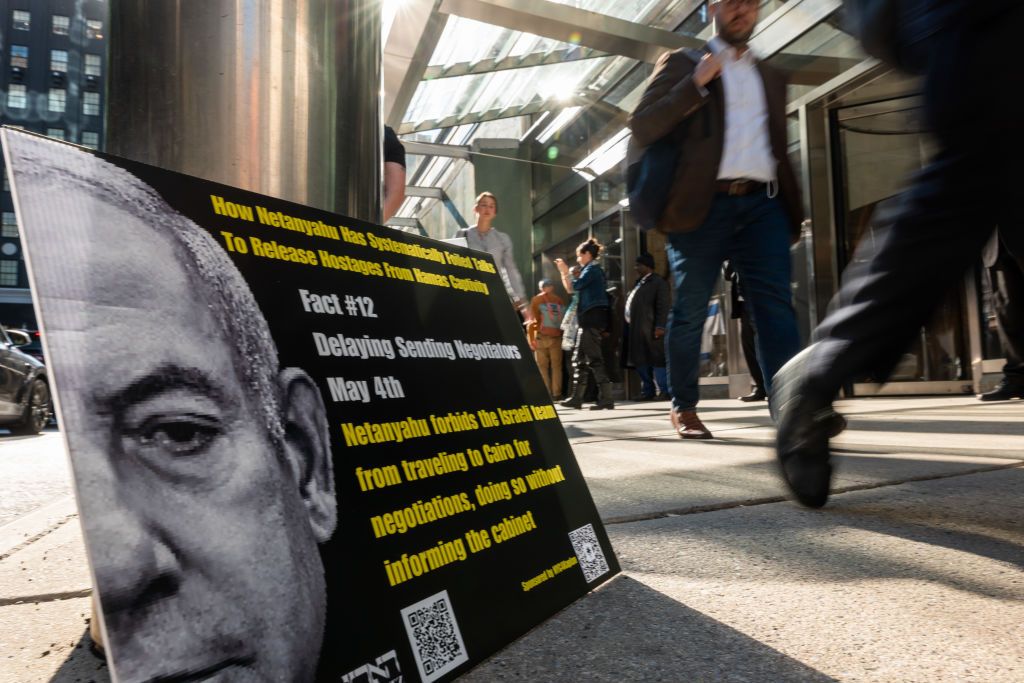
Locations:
588 552
434 636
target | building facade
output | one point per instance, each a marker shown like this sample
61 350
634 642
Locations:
54 70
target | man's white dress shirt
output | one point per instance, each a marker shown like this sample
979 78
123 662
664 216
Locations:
747 152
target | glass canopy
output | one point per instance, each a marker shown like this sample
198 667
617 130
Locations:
498 93
480 71
568 102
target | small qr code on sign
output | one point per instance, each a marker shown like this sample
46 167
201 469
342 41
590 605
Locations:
434 636
588 552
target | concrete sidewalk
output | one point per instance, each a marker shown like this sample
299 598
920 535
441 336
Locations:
914 572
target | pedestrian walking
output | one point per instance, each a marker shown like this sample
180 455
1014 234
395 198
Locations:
485 237
545 335
587 280
734 195
967 52
646 317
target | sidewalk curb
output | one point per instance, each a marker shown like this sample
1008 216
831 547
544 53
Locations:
31 527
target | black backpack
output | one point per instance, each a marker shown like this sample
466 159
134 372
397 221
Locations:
649 179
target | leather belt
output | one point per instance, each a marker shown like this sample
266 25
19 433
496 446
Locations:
739 186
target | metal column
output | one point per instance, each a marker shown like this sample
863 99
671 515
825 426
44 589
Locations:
273 96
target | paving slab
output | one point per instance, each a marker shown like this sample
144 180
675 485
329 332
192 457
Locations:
918 582
636 467
45 610
23 458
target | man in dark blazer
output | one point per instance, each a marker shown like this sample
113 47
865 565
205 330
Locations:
1005 272
968 53
646 316
734 195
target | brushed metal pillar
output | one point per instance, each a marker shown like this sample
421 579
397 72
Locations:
279 97
359 146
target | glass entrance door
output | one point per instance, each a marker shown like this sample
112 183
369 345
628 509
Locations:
876 148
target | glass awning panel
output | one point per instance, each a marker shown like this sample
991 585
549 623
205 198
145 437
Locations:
457 97
469 41
817 56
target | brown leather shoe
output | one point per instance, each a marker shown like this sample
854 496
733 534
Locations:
688 425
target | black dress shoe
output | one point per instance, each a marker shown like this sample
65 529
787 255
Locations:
1004 392
755 395
804 427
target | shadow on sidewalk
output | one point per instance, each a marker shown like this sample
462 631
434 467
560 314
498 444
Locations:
994 427
627 631
927 531
82 666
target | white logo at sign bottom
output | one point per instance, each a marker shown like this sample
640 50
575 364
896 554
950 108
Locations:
385 669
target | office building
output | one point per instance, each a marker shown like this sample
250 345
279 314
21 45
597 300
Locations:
54 64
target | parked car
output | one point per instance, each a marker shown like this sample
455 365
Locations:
34 345
25 405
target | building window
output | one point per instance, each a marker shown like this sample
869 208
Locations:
57 100
56 133
7 182
91 139
91 103
59 60
17 96
19 56
94 29
93 66
10 225
61 25
8 273
21 20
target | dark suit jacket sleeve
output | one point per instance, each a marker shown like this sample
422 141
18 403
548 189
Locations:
670 97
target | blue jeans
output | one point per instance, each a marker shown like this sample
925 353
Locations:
752 231
651 376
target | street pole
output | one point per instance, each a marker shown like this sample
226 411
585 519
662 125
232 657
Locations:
280 97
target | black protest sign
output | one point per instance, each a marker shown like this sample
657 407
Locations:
304 447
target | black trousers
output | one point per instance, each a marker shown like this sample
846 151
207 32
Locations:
748 342
1006 278
589 357
975 183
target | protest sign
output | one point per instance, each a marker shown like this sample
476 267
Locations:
304 447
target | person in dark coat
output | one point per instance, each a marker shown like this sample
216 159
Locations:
1004 267
967 52
646 316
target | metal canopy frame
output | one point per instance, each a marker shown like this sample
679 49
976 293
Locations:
560 22
563 34
413 37
572 54
534 107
